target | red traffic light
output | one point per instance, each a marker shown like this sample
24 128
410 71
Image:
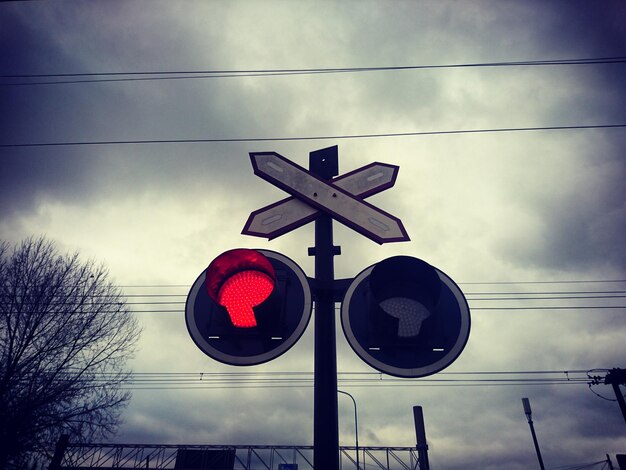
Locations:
239 280
248 307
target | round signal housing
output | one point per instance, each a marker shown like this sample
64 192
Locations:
248 307
405 318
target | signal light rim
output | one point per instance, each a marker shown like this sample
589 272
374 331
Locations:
448 358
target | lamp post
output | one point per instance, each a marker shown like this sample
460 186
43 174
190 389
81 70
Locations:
356 427
420 434
528 412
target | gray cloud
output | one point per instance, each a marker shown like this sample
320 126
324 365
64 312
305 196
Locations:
493 207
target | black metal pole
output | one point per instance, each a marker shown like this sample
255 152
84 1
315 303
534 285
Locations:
532 431
323 163
356 427
420 434
528 412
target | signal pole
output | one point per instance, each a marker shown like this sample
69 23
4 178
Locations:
324 164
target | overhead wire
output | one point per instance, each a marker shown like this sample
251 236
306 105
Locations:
590 307
582 466
578 281
365 379
234 73
566 372
228 387
599 395
473 299
468 294
578 61
244 380
529 300
258 72
354 384
481 299
588 281
310 138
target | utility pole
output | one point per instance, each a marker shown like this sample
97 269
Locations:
324 164
420 434
528 412
615 378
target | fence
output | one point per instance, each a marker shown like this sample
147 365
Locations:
235 457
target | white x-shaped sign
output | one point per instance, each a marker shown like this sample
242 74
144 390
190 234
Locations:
341 198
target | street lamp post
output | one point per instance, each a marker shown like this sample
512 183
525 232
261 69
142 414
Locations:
356 427
528 412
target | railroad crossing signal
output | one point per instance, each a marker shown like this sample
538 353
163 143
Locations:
401 316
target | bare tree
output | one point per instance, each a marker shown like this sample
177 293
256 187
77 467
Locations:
65 336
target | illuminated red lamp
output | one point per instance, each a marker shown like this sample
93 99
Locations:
239 280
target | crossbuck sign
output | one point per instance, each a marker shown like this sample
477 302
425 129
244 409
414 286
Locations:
341 198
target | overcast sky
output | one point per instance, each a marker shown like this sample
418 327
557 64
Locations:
487 207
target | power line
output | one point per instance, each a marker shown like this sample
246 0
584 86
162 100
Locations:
251 381
530 296
302 138
589 281
240 380
486 299
233 73
586 307
560 307
371 383
551 298
182 302
578 281
592 60
549 292
567 375
187 286
305 379
228 387
149 302
565 372
180 311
